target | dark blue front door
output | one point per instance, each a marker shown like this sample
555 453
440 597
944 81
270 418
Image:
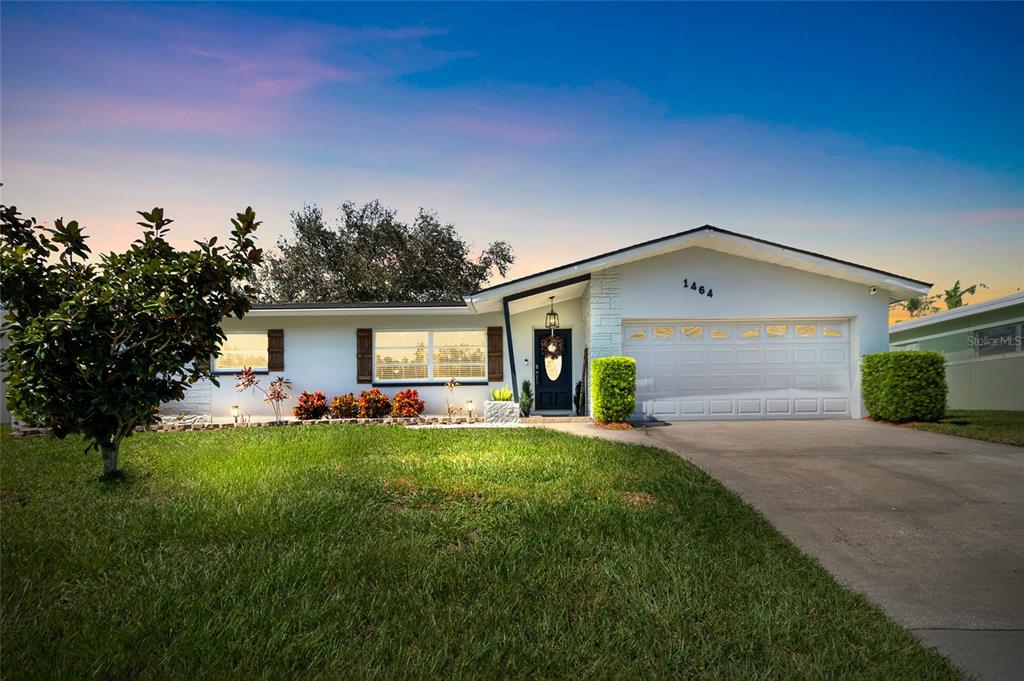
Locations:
552 378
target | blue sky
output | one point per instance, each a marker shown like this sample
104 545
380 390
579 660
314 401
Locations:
887 134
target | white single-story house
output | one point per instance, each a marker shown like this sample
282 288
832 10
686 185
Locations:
722 326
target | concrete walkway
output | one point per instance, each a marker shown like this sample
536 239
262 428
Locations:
929 527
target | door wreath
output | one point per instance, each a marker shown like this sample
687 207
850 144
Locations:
552 347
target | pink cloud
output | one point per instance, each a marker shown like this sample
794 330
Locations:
275 74
142 113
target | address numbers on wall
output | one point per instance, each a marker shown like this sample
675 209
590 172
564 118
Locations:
699 289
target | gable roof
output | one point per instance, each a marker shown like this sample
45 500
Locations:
991 305
715 238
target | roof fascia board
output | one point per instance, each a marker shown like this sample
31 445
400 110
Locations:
356 311
705 237
963 311
547 287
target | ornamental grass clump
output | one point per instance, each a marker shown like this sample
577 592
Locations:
374 404
502 394
407 404
311 406
345 406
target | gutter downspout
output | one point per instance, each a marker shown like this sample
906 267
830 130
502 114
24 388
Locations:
511 350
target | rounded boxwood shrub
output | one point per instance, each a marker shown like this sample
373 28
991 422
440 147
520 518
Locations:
904 386
613 385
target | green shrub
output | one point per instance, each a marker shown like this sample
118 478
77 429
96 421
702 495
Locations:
904 386
526 399
503 394
613 386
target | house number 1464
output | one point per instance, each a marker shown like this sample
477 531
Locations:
698 288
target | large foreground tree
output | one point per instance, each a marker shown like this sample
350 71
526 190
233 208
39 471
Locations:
96 347
369 255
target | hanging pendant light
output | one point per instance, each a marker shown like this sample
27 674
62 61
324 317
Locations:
551 318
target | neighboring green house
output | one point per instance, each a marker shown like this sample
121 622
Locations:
983 349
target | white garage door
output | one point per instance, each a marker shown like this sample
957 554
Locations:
741 370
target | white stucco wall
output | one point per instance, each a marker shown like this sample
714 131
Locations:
523 326
743 289
320 354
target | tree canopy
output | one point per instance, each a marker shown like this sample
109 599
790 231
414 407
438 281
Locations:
369 255
96 347
953 297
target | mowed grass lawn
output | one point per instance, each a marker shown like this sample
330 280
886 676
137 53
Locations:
384 552
1006 427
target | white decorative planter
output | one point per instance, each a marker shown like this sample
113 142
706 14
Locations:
501 412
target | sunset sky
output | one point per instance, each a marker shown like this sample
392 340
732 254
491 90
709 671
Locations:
890 135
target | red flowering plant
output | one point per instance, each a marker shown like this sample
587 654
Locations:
407 403
373 404
345 406
274 394
311 406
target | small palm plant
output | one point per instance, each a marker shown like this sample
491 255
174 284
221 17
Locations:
275 394
449 397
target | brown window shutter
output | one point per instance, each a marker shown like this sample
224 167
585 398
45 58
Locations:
364 355
275 350
495 355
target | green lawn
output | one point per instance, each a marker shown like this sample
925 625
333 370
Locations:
348 551
1006 427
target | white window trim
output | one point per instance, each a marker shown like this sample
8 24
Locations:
429 380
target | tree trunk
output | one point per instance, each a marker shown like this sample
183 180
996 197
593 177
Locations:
109 460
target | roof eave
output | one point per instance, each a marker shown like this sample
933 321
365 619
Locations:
898 287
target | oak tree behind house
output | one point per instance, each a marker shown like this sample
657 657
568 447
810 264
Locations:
369 255
95 347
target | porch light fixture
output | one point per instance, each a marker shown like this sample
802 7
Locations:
235 412
551 318
470 407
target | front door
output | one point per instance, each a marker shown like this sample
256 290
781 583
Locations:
552 377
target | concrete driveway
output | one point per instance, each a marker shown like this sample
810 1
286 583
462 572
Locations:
929 527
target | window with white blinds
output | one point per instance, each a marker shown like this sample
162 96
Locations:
404 356
240 350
